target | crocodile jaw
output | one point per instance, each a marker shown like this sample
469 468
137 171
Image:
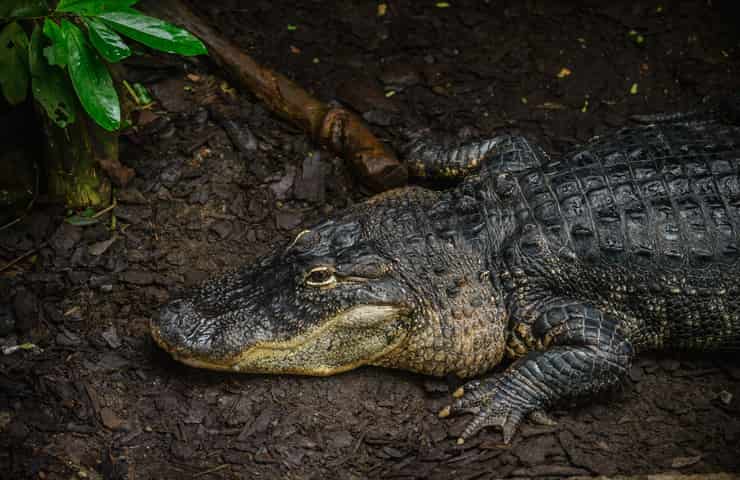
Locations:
352 338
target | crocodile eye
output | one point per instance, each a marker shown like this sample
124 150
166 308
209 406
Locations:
320 277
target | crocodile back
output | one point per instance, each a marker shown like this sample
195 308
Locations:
664 195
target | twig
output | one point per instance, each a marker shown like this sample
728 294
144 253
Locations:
132 93
335 128
106 209
212 470
10 224
27 254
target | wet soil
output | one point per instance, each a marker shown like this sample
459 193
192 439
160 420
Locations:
95 398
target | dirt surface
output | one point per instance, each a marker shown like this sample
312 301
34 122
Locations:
97 399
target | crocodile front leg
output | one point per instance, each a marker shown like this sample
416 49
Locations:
585 351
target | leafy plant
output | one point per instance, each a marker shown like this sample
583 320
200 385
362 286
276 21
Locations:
66 53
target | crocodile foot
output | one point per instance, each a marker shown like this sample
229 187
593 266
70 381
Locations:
588 352
492 405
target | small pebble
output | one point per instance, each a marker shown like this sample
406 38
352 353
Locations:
725 397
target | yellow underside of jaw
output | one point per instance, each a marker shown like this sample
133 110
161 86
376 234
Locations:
257 353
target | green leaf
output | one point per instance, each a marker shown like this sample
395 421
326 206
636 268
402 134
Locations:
88 212
93 7
22 8
91 80
56 54
81 221
142 93
154 33
106 41
50 85
14 63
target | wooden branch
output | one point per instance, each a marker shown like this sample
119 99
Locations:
335 128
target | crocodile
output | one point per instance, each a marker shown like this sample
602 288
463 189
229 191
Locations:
535 279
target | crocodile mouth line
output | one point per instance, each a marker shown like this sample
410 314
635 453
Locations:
377 313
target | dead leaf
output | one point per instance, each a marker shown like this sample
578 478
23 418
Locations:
100 248
119 174
564 72
681 462
551 106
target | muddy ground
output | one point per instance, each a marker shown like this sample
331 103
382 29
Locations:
98 399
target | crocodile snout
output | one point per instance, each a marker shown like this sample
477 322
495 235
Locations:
198 339
170 326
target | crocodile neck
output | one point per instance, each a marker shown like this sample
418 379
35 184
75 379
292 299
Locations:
461 320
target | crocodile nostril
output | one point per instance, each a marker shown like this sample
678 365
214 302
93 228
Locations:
169 313
168 325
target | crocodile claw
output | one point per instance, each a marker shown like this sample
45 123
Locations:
509 423
540 417
492 406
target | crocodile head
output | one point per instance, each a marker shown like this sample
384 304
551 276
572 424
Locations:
360 289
